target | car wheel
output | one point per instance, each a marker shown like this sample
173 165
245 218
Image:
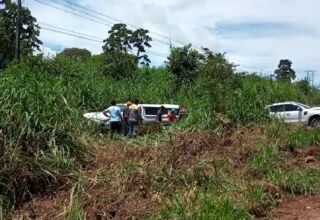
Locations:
315 123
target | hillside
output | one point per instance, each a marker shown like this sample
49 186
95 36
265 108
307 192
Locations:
235 174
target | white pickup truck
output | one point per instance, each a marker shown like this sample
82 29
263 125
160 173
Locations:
148 113
295 112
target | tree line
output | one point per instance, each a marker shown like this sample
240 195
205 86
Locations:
123 50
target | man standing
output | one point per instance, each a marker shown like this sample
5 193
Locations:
125 117
160 112
114 112
134 119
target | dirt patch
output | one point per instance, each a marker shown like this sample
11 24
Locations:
130 198
186 148
46 207
308 157
298 208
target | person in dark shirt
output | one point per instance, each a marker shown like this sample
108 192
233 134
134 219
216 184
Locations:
160 112
134 119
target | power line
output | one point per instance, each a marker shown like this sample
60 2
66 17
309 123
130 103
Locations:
155 53
250 65
74 32
118 20
70 12
96 19
85 11
247 66
70 34
81 11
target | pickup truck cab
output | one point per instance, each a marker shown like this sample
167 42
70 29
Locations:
148 113
295 112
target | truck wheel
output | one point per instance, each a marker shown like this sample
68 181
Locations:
315 123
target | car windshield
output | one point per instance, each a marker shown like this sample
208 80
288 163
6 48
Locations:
304 106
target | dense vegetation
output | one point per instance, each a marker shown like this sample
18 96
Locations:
44 140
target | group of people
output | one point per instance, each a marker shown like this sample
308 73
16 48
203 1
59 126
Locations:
127 120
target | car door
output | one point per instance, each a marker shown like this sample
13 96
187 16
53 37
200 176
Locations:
278 111
149 114
292 113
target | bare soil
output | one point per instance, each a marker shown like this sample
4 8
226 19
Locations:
298 208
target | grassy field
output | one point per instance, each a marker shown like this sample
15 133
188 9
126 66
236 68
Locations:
55 165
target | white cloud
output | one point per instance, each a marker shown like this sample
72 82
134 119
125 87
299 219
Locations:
47 52
193 21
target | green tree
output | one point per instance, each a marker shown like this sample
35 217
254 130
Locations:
117 61
119 39
140 39
29 32
75 54
285 72
123 40
184 64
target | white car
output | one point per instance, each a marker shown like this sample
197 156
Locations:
148 113
295 112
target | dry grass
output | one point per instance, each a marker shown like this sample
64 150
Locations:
126 180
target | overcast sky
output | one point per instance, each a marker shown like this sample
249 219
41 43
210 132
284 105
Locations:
255 34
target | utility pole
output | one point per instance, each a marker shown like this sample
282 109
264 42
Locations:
310 76
18 25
